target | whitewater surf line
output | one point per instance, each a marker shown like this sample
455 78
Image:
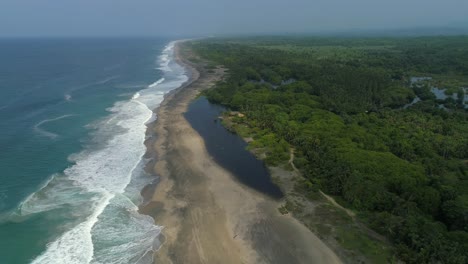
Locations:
97 190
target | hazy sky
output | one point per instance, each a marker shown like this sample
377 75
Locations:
201 17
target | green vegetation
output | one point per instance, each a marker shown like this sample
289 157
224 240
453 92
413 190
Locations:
403 169
353 240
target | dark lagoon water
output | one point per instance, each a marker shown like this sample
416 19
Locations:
228 149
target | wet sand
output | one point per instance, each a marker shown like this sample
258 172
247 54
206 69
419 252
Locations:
207 214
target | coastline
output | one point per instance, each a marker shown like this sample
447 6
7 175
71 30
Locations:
208 216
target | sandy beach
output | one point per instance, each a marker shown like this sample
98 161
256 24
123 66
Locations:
208 216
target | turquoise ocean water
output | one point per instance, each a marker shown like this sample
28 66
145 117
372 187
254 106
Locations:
73 115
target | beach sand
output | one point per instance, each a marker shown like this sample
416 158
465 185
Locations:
208 216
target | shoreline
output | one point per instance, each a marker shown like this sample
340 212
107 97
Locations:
207 215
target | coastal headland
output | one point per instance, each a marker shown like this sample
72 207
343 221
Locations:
207 214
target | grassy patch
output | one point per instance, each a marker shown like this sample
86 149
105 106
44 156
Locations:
353 239
283 210
335 216
323 230
276 180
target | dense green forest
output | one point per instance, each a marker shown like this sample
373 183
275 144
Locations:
341 103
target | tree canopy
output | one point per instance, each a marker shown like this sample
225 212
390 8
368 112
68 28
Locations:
340 102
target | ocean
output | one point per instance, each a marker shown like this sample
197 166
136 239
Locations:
74 115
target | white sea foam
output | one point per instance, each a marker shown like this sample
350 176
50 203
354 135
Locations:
108 227
122 235
75 245
158 82
30 204
135 96
106 80
74 89
38 129
165 58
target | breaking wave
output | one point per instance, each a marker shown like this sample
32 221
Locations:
97 192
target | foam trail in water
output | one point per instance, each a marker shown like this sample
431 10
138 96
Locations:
107 80
103 173
46 133
75 246
108 229
72 90
158 82
24 207
165 58
135 96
